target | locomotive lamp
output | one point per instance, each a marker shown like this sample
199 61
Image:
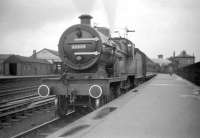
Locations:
95 91
43 90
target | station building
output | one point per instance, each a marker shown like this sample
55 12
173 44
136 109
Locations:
51 56
164 64
3 57
21 66
183 59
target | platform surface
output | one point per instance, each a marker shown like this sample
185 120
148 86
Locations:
165 107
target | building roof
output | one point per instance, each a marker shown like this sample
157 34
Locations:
47 54
18 58
3 57
54 52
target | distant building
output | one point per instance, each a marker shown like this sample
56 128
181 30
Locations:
50 55
160 56
3 57
182 60
20 65
163 63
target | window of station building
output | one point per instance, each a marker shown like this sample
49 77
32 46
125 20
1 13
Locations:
24 66
28 67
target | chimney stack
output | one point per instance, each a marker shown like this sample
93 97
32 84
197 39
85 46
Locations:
34 54
85 19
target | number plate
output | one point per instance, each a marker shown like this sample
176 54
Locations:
78 46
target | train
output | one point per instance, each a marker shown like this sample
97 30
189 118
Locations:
97 67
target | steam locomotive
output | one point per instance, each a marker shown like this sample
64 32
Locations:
97 67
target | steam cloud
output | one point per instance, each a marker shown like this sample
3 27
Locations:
84 6
22 14
110 8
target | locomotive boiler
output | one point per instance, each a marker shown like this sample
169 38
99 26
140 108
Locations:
97 67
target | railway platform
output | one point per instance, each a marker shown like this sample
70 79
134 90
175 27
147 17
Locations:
164 107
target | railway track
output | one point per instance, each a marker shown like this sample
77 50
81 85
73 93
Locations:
4 102
33 107
13 88
52 126
17 94
17 91
29 133
43 130
30 104
12 110
16 82
25 133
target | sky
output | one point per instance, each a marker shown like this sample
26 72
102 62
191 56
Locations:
161 26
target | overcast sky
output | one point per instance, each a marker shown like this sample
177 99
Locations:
162 26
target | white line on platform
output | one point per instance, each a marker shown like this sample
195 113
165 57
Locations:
160 84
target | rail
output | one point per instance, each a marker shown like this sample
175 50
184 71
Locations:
17 94
24 105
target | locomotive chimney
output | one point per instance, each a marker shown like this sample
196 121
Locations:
85 19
